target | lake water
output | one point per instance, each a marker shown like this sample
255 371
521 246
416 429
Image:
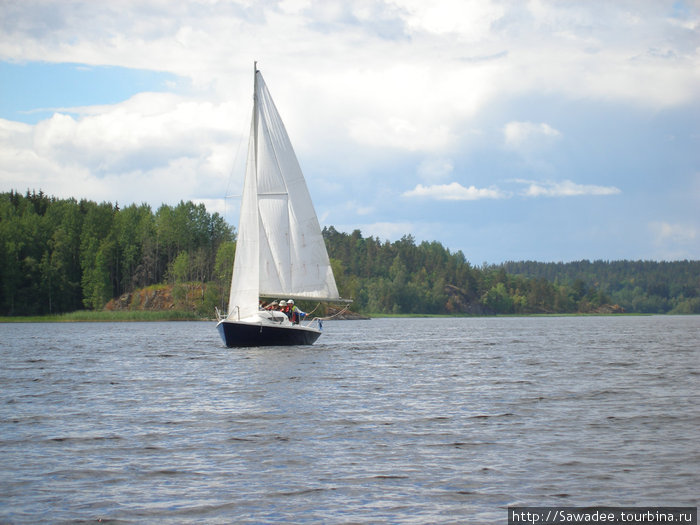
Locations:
388 420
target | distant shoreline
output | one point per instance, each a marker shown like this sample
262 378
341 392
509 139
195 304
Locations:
86 316
107 316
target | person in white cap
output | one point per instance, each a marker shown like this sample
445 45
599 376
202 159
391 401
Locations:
284 308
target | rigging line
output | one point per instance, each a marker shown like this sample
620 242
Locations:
315 308
236 159
311 320
239 166
334 315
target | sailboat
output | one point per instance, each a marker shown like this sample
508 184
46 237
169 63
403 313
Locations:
280 252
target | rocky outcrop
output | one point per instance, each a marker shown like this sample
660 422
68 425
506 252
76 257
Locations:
609 309
460 302
150 298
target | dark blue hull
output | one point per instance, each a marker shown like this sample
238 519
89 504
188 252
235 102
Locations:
244 334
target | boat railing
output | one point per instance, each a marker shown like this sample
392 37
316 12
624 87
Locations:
221 316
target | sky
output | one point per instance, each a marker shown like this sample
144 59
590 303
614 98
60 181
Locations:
547 130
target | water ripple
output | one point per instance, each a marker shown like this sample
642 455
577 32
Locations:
411 421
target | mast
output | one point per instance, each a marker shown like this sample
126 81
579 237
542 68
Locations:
255 114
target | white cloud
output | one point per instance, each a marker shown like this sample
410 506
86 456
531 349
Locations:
674 233
565 188
549 46
470 19
152 147
148 129
219 206
674 240
527 135
357 208
384 230
387 71
22 167
398 133
454 192
435 169
294 6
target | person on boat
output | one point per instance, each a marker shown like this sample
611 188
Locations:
284 308
296 314
272 306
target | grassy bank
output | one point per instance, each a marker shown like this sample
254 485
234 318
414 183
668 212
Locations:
107 316
181 315
458 316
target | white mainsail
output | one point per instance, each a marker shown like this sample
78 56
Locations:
280 251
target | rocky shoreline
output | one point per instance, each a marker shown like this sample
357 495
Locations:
160 298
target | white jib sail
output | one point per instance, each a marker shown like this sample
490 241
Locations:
280 251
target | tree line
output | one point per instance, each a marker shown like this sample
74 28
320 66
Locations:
61 255
405 277
638 286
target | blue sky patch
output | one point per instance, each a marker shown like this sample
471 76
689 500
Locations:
39 89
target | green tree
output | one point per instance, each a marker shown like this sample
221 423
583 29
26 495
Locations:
223 270
498 299
134 229
62 259
97 281
97 253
